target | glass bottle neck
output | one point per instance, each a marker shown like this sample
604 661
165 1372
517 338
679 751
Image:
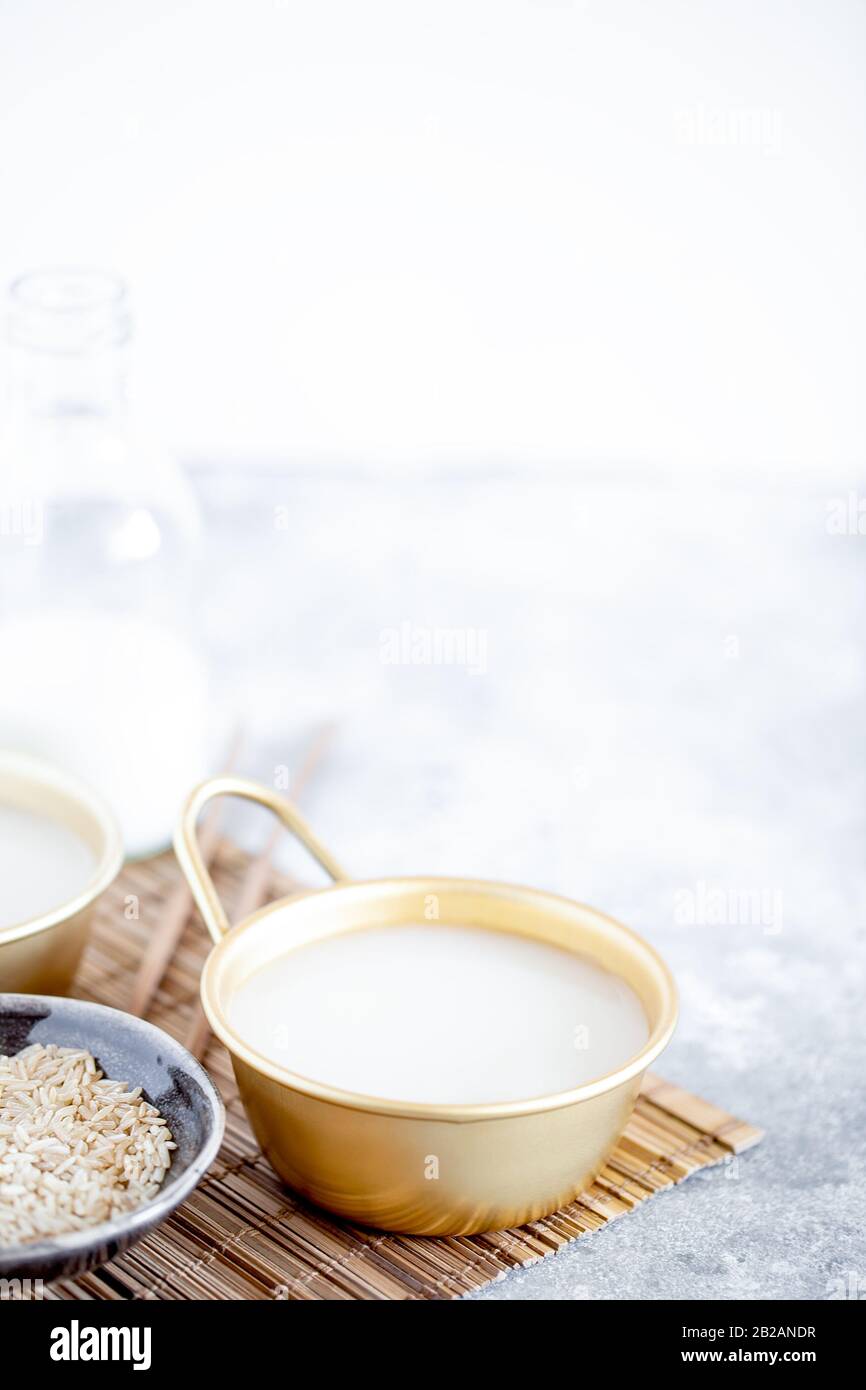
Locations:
68 345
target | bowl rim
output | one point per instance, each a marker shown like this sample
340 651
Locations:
156 1208
108 861
635 1065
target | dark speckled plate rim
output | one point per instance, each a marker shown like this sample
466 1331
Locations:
124 1228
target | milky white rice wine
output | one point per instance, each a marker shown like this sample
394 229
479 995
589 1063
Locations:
43 864
440 1014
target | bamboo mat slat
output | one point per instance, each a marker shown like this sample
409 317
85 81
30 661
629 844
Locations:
243 1235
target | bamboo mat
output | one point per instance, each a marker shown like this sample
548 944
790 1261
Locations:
243 1235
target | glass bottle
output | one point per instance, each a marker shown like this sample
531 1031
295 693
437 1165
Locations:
102 670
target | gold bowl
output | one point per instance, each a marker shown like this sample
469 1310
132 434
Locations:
421 1168
39 955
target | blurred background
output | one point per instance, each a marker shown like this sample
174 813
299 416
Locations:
494 380
522 230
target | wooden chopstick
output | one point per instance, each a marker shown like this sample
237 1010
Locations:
256 882
166 935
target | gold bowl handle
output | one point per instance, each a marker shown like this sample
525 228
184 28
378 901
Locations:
187 847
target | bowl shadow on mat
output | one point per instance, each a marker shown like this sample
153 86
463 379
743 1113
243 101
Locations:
126 1049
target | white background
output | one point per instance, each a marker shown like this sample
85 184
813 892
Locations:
582 233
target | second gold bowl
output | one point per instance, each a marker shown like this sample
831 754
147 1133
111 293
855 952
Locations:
39 955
